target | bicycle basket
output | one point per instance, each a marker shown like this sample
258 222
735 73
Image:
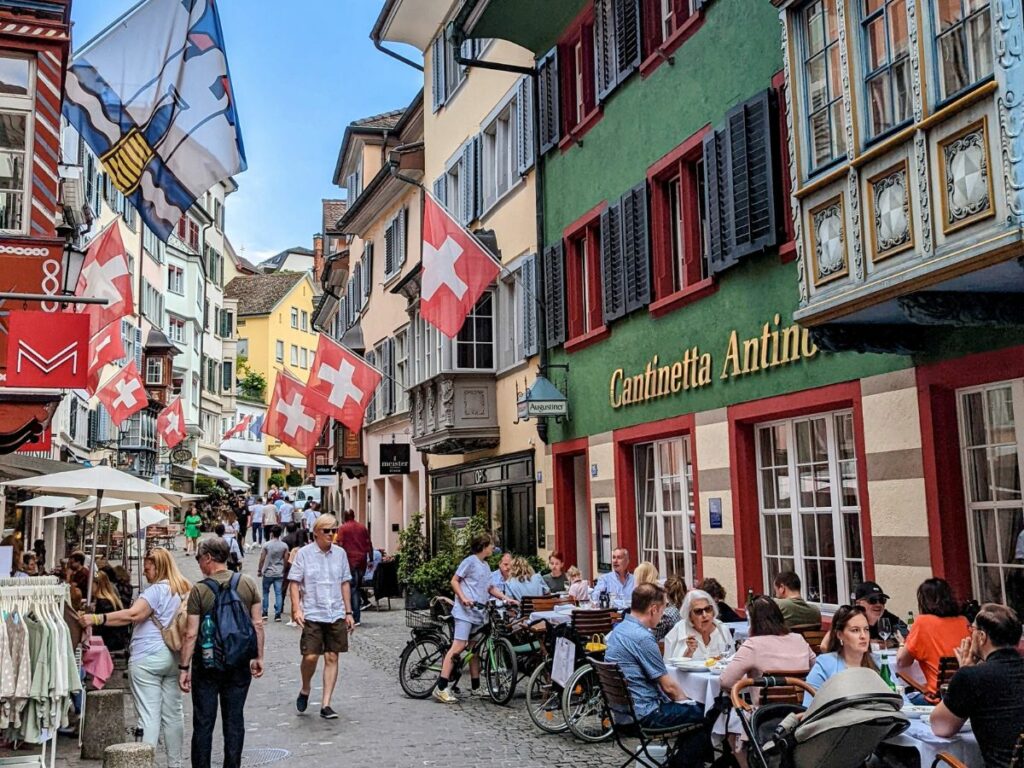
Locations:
421 618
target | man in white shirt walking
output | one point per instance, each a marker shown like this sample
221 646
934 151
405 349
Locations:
323 608
269 514
256 521
286 514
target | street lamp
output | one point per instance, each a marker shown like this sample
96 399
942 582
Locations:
72 260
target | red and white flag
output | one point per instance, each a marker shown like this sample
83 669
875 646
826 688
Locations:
240 427
124 394
105 275
344 380
456 270
295 416
170 424
104 347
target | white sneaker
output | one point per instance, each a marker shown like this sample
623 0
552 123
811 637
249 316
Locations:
445 696
291 624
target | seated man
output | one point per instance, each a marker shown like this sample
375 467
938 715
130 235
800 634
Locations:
657 697
987 688
619 584
873 599
795 610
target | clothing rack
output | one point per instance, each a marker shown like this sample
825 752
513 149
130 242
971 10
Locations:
24 594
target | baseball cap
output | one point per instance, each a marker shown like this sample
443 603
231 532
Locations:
869 589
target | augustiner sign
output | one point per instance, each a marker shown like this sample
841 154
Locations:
774 346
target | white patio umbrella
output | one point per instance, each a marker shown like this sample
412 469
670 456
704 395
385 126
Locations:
50 502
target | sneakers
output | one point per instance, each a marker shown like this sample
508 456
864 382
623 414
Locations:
276 618
445 696
356 623
328 714
291 624
265 618
301 702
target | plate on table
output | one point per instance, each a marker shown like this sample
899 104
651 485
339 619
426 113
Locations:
689 665
917 709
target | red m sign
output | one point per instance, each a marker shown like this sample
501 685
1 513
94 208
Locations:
47 350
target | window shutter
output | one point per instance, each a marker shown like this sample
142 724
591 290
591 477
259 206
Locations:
651 18
605 48
138 349
467 180
524 127
752 165
528 278
716 187
636 248
554 274
368 271
400 239
387 384
437 70
613 263
627 38
441 189
371 407
466 49
550 122
389 248
478 174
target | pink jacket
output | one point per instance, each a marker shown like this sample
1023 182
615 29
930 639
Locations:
768 653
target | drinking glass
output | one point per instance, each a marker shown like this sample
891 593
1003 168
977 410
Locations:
885 631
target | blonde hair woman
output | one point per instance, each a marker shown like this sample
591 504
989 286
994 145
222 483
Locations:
645 573
152 667
523 581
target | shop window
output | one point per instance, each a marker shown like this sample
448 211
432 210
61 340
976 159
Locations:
154 371
886 43
991 447
665 507
823 83
964 43
809 503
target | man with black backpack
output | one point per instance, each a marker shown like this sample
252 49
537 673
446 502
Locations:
225 622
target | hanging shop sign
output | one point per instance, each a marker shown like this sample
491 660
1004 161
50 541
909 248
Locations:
181 456
394 458
325 476
47 350
773 347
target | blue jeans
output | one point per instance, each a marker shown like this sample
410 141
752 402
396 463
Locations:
230 689
275 582
354 594
257 533
692 748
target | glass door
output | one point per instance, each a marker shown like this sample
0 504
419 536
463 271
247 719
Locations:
665 507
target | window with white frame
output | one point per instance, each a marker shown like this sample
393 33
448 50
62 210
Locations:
823 83
175 279
401 371
474 346
964 42
295 317
294 355
154 370
664 506
992 451
243 348
810 505
195 390
302 358
427 345
227 370
176 329
16 110
887 63
304 320
500 162
453 190
279 351
510 291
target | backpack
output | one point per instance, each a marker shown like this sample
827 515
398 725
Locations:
174 632
234 639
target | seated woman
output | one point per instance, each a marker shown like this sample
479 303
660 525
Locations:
938 631
848 644
699 635
771 647
556 580
714 588
675 592
107 601
647 573
523 582
579 589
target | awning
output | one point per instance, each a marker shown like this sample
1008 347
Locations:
250 459
15 466
218 473
301 463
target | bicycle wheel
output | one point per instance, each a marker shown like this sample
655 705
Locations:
420 666
583 707
544 700
500 670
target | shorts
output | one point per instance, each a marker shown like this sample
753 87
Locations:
463 629
320 637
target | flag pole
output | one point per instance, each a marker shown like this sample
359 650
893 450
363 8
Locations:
107 29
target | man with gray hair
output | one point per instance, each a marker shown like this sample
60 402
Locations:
619 583
322 605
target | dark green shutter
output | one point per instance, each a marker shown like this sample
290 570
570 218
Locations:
613 265
627 38
528 278
752 167
550 121
716 186
554 283
605 48
636 248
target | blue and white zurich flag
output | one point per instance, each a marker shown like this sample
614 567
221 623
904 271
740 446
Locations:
152 98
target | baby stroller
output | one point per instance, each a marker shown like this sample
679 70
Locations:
850 715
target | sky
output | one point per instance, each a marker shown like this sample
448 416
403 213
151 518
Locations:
300 71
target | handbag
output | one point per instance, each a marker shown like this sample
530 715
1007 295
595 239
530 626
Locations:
174 633
596 644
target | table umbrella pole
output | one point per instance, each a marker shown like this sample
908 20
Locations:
95 535
124 539
138 543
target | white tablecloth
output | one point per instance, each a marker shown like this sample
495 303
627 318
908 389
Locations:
963 746
740 630
704 687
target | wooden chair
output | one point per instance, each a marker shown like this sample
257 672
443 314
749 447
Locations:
948 666
812 633
785 692
1016 759
588 623
549 603
618 705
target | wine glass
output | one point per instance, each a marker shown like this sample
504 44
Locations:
885 631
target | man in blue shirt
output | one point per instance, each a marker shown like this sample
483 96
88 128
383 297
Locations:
619 583
500 576
657 697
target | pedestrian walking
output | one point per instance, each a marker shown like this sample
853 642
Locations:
354 538
256 519
310 514
192 523
224 617
269 513
286 512
322 605
234 561
271 569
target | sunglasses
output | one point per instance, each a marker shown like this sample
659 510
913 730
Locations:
330 531
707 609
875 600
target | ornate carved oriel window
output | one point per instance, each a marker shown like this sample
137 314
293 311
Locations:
887 64
823 83
964 42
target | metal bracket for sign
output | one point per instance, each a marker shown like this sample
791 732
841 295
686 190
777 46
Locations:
50 297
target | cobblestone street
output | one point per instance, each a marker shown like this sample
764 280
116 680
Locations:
378 724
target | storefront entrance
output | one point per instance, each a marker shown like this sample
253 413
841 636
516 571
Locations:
664 505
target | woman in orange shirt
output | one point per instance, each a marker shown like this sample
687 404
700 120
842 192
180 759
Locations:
936 632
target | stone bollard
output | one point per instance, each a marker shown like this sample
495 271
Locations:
119 677
130 755
104 722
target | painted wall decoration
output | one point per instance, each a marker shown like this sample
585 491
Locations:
889 199
828 237
966 177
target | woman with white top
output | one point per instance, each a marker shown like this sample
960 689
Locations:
699 635
152 666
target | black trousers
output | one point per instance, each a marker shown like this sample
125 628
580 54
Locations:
229 689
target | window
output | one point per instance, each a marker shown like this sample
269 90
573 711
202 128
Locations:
823 83
176 329
294 355
401 371
304 320
243 348
227 324
227 376
583 281
664 506
195 390
295 317
964 42
887 61
152 303
662 19
303 362
16 109
447 75
992 444
427 343
394 244
510 312
500 145
279 351
576 62
603 536
154 371
810 507
474 346
176 280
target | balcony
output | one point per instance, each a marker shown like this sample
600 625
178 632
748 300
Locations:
454 413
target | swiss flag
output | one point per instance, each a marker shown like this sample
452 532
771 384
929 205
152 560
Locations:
124 394
344 380
170 424
240 427
295 416
105 275
456 270
104 347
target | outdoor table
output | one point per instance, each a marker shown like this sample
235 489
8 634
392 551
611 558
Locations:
740 630
963 746
704 687
551 617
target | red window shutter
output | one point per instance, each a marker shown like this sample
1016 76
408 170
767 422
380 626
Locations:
690 194
661 238
589 85
574 288
651 13
182 235
567 85
681 11
595 311
779 83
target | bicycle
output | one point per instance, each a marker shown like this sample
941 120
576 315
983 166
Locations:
419 666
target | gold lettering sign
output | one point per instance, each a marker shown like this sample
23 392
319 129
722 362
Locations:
773 347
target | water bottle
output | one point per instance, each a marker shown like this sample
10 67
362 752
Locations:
206 632
910 619
887 674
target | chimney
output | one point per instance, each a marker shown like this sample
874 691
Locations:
318 257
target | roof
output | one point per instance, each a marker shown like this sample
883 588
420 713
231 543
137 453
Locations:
157 339
276 261
333 211
383 123
259 294
383 120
